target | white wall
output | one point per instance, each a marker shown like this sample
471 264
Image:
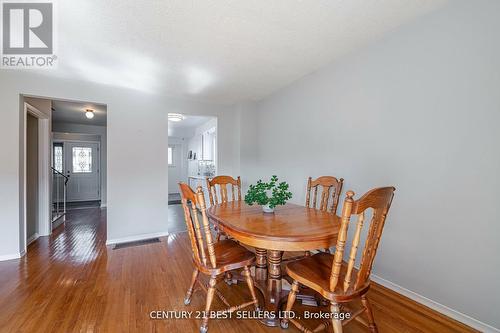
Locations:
248 143
137 151
181 132
100 132
419 110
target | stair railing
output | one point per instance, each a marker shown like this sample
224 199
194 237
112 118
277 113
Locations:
60 182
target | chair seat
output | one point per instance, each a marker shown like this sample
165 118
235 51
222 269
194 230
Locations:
315 271
230 255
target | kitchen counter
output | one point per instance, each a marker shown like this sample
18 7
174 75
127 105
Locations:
195 181
199 177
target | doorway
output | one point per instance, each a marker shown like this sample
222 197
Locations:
34 172
32 197
192 157
79 133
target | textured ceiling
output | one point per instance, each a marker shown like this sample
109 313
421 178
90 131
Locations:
222 50
74 112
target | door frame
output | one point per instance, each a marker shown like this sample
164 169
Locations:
64 141
44 186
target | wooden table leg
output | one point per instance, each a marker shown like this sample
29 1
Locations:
261 264
260 271
273 294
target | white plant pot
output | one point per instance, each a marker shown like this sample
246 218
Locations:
267 209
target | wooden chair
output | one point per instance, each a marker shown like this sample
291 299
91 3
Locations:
335 279
328 184
222 182
210 258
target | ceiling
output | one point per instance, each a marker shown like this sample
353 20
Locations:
189 121
186 127
74 112
223 51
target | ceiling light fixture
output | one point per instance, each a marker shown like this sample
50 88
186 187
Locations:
175 117
89 113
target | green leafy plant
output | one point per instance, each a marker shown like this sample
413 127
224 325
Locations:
258 193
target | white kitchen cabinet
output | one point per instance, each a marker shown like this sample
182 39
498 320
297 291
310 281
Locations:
208 144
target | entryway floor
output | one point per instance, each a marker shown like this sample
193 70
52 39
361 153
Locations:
176 221
174 198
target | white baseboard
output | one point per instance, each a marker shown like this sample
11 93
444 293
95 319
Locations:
58 222
136 238
10 256
104 205
463 318
32 239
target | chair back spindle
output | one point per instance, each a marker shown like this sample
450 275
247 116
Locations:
223 182
199 232
328 185
379 201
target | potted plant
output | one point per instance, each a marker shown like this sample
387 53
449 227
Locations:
268 195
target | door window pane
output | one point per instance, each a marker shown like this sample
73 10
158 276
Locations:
170 156
58 158
82 160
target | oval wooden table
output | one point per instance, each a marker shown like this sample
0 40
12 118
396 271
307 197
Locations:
290 228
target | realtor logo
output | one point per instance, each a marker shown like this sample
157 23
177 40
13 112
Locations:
27 35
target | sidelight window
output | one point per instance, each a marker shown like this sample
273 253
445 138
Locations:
58 157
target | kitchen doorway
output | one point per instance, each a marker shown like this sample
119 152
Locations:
192 157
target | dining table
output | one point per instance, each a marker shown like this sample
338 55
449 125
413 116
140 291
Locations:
290 228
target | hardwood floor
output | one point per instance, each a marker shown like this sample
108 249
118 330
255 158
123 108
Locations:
72 282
